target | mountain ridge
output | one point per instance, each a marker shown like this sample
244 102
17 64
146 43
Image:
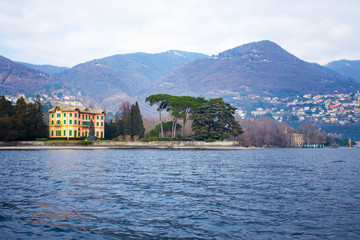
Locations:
257 68
348 68
264 67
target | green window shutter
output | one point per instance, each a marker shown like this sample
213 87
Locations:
75 114
97 117
97 124
102 124
64 121
70 121
52 122
64 114
102 117
58 133
97 134
75 122
70 132
64 132
70 114
52 133
52 115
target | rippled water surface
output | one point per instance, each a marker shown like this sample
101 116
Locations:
157 194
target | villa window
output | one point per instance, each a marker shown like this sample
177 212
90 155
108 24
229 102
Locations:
70 114
70 121
64 133
52 115
64 114
97 124
58 115
52 122
64 121
97 117
70 133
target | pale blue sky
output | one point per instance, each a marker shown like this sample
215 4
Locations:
69 32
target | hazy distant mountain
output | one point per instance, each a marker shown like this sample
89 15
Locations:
111 80
348 68
18 79
48 69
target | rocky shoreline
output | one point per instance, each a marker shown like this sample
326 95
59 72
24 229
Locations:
100 145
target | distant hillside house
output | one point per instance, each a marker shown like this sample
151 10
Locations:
74 122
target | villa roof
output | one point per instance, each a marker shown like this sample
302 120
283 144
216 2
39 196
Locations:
65 108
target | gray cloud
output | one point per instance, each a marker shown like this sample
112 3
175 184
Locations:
69 32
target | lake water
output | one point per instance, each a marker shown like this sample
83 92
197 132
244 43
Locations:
180 194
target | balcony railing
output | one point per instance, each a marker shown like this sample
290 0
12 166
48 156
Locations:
85 124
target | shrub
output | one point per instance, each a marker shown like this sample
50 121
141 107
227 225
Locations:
153 133
187 139
42 139
136 138
86 142
127 138
210 140
166 139
150 139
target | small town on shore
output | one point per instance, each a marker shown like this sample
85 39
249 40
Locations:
69 119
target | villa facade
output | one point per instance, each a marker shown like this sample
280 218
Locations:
74 122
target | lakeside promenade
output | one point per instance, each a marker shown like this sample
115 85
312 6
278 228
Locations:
74 145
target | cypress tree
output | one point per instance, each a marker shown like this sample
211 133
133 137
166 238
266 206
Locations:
6 108
126 117
19 118
137 122
40 128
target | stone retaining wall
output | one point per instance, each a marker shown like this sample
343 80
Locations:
136 145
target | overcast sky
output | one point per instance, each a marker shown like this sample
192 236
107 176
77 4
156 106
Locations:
69 32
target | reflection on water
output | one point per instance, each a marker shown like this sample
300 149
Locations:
277 193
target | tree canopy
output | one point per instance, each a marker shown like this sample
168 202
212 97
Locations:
128 122
24 121
215 119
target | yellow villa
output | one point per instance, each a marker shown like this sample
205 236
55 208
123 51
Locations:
74 122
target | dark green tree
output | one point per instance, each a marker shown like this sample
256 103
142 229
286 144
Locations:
40 126
126 118
20 118
6 108
110 130
137 122
6 123
214 119
162 102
